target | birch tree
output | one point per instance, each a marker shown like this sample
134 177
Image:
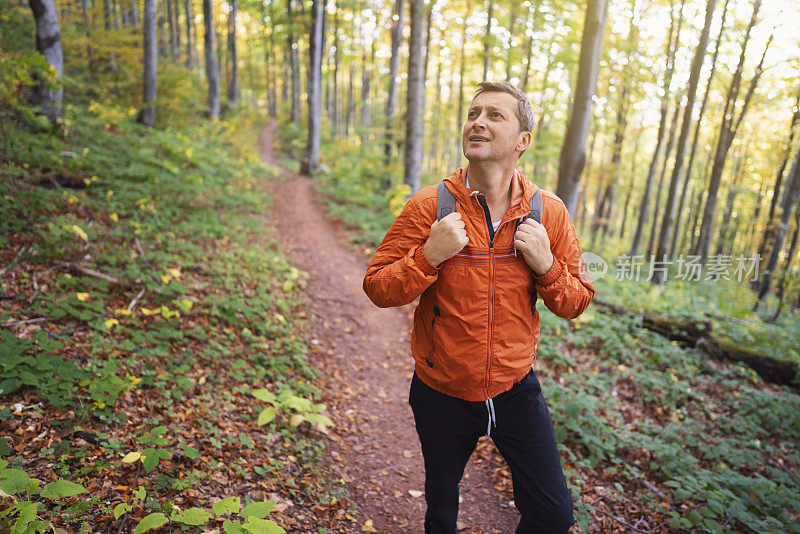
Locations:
48 43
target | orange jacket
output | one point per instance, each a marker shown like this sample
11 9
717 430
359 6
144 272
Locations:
476 326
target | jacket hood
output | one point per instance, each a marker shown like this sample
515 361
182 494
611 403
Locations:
522 190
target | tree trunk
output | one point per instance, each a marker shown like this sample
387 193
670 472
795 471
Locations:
336 53
645 201
212 71
394 67
779 292
573 155
233 57
727 133
148 114
603 212
311 158
414 103
171 25
460 97
769 229
487 45
698 123
295 68
187 7
787 205
510 45
677 169
48 43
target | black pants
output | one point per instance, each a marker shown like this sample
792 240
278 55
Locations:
449 428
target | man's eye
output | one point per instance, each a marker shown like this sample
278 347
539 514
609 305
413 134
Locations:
497 113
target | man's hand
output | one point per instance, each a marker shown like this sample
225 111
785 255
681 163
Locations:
447 238
531 239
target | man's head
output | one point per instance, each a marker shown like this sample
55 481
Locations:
498 124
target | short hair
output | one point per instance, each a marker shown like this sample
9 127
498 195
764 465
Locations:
524 108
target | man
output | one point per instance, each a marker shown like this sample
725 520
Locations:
479 271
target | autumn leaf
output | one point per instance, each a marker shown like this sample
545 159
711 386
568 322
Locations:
367 526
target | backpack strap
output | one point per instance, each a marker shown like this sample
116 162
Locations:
445 201
536 208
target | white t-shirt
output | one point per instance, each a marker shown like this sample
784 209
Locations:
495 224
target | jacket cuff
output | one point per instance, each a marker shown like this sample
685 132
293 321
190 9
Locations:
422 262
552 275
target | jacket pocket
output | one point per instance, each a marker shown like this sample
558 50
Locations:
436 315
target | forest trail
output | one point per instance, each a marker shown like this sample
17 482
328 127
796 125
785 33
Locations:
366 369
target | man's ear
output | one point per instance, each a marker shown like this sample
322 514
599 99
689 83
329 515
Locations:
524 140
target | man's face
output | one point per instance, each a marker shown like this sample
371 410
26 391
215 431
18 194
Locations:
491 131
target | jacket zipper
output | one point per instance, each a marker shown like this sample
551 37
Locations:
490 229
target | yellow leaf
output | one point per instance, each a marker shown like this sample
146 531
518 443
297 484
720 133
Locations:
78 230
148 311
367 526
297 419
122 311
72 199
165 278
83 297
109 193
114 217
111 322
131 457
175 273
621 367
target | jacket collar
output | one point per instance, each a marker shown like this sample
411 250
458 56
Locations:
522 190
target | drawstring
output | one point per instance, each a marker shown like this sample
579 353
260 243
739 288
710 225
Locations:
492 418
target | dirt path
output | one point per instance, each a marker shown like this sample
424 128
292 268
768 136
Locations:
367 368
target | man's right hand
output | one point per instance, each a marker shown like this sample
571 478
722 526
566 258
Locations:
448 236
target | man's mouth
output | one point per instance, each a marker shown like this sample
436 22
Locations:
476 139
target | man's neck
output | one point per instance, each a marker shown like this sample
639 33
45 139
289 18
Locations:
491 179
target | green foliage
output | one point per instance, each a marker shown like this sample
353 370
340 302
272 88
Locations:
287 401
21 515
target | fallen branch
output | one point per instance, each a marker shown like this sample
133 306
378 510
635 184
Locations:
87 271
135 300
698 335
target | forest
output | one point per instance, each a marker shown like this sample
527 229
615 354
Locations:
191 191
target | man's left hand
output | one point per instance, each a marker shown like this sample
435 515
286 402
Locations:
531 239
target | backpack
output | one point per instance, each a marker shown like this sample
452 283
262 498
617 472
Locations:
446 204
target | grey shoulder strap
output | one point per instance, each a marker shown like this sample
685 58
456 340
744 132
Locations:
536 206
445 201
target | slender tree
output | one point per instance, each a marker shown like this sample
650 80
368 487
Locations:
48 43
294 67
414 124
394 67
311 158
698 123
212 71
673 40
573 155
677 169
788 202
148 113
487 41
728 129
187 6
233 56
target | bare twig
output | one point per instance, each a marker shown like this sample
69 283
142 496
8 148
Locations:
142 254
13 261
26 321
88 272
135 300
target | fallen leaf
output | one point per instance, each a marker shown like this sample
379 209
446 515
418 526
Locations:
367 526
415 493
